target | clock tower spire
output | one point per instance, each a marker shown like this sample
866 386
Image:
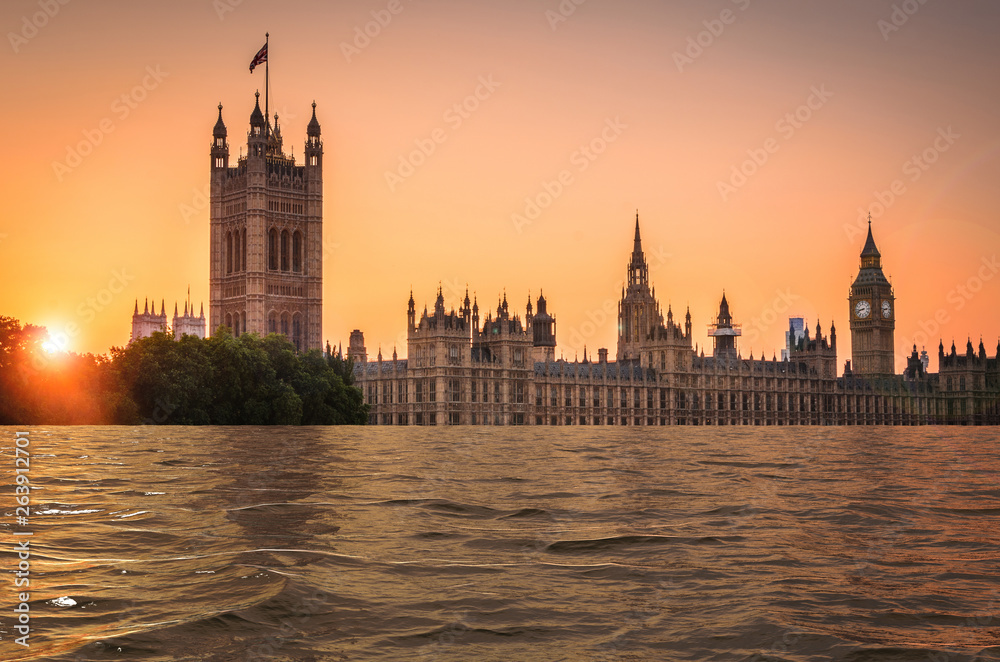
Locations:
872 315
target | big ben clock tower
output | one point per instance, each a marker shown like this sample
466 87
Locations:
872 314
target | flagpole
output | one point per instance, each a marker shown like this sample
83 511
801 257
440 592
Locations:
267 82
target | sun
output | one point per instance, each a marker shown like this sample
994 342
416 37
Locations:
55 343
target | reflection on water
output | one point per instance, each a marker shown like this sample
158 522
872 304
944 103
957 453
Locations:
510 544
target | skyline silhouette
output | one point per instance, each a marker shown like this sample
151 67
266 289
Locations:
754 139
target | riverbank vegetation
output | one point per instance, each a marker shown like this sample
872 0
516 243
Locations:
220 380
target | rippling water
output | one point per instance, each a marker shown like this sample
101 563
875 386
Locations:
320 544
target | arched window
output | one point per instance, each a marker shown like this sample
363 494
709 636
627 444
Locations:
272 250
272 322
284 323
229 321
229 252
297 332
243 250
285 250
243 322
297 252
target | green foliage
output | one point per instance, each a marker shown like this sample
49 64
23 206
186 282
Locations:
218 381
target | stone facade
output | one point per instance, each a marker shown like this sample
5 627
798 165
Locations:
148 322
503 371
266 271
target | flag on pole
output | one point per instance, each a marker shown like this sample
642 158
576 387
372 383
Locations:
259 58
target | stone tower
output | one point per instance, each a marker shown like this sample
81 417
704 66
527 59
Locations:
147 322
543 331
724 333
637 312
872 315
266 272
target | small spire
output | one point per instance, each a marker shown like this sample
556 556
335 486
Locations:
220 127
313 128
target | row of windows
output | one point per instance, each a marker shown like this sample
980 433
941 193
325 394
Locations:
284 251
286 207
236 208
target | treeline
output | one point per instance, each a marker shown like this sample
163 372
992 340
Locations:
217 381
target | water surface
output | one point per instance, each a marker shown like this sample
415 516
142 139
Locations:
313 544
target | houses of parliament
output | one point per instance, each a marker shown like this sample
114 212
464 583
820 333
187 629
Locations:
500 369
473 367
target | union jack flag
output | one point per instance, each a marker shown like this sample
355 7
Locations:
259 58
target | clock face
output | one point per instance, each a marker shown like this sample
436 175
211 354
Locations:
863 309
886 309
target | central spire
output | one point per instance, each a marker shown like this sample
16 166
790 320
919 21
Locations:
638 272
638 239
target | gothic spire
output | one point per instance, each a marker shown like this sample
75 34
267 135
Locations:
870 250
638 239
220 127
313 128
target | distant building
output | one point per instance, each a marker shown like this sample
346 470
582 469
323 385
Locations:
796 332
148 322
502 371
188 323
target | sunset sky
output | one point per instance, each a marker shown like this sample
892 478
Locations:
830 109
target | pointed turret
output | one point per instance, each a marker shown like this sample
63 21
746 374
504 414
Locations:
256 117
220 127
313 128
870 250
314 148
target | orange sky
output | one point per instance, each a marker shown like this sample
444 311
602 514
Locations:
678 121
